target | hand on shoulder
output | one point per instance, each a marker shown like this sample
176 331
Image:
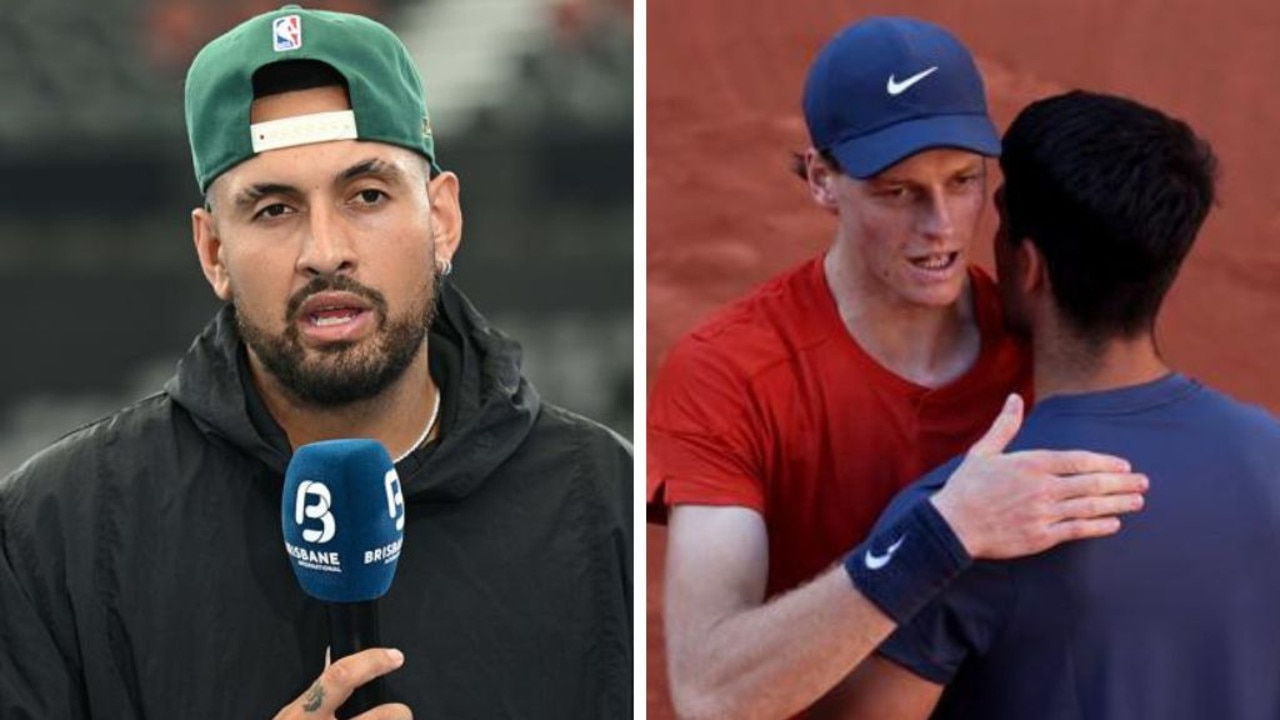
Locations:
1006 505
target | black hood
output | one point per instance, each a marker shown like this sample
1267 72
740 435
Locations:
490 407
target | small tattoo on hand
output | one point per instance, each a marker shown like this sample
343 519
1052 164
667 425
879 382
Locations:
315 696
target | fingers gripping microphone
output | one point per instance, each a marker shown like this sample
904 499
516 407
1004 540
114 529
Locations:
343 520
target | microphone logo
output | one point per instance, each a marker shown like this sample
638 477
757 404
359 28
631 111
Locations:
318 510
395 498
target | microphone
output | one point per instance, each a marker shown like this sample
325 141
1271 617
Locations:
343 520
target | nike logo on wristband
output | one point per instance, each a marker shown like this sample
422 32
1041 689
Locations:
875 562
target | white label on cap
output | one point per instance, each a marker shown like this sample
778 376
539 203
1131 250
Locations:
303 130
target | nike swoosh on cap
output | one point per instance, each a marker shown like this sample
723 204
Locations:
875 562
897 88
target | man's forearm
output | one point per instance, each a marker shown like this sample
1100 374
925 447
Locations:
774 660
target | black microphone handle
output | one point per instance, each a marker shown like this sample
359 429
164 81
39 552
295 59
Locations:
354 627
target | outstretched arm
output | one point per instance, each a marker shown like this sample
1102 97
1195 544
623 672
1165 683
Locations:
732 655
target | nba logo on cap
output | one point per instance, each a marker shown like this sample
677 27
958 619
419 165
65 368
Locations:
287 33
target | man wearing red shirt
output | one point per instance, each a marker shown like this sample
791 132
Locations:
783 426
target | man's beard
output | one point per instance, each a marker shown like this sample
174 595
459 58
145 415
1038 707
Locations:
341 373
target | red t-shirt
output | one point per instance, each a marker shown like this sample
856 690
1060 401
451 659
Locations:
772 405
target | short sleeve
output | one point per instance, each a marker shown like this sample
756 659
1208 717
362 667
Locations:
703 447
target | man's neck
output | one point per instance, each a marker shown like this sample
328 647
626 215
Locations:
395 418
1066 365
930 346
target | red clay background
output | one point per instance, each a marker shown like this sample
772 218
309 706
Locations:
725 78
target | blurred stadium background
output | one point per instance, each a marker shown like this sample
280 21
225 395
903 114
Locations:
531 103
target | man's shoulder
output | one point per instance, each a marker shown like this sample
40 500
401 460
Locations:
1176 417
1241 424
1183 402
577 434
768 324
1240 411
566 447
70 464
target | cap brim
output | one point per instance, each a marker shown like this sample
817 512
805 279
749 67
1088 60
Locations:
867 155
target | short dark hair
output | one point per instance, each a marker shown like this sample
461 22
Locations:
1113 194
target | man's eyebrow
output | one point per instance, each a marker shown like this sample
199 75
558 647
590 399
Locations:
254 193
976 167
372 166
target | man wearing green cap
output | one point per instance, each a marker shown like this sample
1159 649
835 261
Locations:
141 566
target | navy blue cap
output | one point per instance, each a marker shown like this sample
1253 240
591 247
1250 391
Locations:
887 88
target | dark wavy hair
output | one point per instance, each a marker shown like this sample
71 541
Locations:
1113 194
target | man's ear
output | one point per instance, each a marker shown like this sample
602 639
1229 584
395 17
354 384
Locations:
446 215
821 178
1033 273
204 232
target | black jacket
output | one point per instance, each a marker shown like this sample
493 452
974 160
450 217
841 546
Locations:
143 573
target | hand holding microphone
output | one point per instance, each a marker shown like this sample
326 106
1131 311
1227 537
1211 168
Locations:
343 520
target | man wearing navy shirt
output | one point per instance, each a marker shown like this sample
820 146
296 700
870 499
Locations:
1177 616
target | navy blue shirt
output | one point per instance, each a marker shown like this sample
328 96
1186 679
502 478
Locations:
1177 616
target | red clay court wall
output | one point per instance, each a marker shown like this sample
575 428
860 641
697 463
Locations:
725 78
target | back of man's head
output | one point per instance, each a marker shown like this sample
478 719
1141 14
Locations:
1113 194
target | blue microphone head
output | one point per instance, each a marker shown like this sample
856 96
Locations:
343 519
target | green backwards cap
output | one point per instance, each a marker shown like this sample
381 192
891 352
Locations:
387 103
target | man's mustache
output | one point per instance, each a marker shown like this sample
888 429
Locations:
334 283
